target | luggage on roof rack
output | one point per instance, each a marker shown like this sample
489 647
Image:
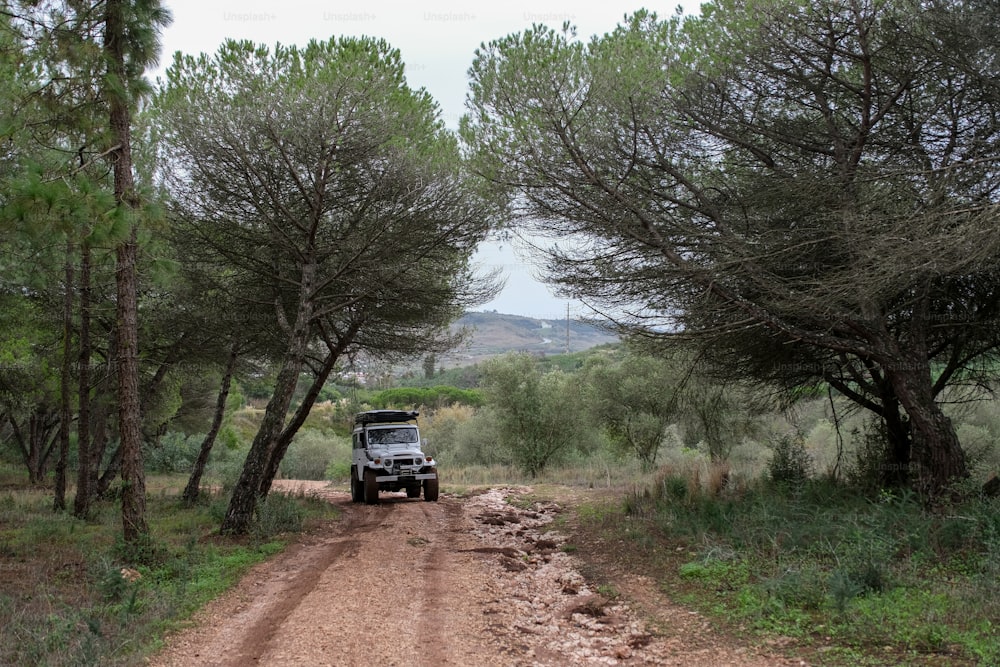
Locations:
385 416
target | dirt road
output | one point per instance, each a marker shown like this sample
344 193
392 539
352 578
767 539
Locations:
463 581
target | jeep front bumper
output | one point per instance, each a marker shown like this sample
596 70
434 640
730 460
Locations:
399 478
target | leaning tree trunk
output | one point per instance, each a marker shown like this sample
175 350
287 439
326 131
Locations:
239 515
299 418
334 352
134 523
193 487
246 493
103 483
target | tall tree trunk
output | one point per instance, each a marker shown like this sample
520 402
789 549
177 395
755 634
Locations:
84 486
65 399
129 417
126 281
193 487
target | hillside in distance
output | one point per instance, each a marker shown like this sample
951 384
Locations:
492 334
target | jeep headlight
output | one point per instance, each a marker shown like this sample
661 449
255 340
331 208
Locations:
387 463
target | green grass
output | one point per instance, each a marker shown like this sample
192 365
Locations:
852 580
72 594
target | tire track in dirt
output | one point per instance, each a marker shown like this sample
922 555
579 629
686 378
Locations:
435 624
304 575
463 581
257 607
405 597
390 585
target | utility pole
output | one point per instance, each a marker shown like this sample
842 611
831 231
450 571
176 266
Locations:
567 327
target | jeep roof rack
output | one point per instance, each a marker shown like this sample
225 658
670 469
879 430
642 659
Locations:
385 416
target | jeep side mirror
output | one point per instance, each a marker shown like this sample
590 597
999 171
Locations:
423 442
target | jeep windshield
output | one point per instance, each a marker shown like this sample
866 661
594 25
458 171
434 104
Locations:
392 436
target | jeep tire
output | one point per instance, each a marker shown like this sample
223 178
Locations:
357 490
431 489
371 488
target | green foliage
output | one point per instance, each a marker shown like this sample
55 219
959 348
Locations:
790 463
635 398
277 514
28 358
312 452
434 397
818 557
338 470
383 280
792 285
469 439
225 464
172 453
803 589
81 597
461 377
539 416
718 414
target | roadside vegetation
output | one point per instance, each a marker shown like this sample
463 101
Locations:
73 593
813 564
787 534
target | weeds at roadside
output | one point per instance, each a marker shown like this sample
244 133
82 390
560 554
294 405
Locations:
608 591
857 580
74 594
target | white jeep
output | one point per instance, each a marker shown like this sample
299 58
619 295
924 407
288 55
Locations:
387 456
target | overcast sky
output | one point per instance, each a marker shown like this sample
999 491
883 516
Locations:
437 42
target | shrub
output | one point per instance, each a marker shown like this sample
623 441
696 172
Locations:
277 514
790 463
435 397
475 442
312 452
441 429
867 471
174 453
800 587
338 471
225 465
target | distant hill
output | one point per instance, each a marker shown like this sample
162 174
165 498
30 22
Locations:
494 333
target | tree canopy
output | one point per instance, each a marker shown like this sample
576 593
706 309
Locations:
332 204
808 188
